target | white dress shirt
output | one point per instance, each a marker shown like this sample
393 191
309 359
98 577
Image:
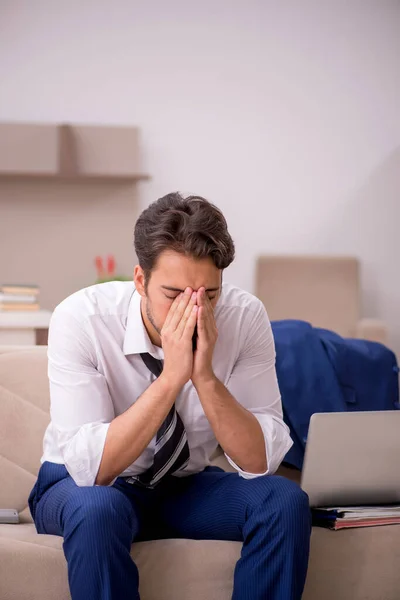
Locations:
96 373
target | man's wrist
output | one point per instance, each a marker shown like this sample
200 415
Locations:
205 380
169 384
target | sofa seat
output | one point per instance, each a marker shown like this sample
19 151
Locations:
169 569
356 564
360 564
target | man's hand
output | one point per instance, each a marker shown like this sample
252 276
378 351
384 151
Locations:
176 339
207 335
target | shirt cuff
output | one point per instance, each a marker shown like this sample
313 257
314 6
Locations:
108 484
83 452
245 474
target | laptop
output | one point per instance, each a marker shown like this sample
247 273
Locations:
353 458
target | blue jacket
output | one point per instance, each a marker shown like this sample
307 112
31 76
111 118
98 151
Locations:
319 371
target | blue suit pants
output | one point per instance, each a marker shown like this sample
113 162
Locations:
269 514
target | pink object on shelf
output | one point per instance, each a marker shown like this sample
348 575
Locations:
99 267
111 265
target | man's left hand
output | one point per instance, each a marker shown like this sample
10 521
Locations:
207 335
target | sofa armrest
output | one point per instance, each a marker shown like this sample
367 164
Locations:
373 330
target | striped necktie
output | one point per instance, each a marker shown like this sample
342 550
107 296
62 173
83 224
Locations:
172 450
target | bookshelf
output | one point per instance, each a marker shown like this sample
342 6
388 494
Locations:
70 152
68 191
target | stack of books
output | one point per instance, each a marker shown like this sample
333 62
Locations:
344 517
16 297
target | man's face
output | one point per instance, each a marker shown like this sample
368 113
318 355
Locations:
172 274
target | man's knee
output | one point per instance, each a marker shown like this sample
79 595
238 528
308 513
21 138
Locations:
99 506
291 496
279 493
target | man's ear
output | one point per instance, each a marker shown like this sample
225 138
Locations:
139 279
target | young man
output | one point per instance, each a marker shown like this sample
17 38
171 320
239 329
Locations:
137 411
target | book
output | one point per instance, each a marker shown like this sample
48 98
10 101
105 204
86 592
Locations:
16 288
7 298
4 307
345 517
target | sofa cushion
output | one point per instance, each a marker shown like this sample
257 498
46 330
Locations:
357 564
24 409
169 569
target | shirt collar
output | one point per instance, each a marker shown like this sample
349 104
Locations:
136 338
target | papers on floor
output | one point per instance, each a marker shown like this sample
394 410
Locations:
343 517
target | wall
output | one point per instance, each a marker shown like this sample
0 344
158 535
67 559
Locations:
285 114
50 233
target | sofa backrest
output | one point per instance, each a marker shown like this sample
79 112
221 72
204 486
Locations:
24 416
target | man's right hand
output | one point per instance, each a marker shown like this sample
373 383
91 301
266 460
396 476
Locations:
176 339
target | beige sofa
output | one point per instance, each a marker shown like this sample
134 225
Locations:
346 565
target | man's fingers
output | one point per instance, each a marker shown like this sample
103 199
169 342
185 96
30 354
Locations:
201 295
185 317
205 303
172 310
180 309
191 322
206 319
204 300
201 325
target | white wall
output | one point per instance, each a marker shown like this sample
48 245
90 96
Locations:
285 114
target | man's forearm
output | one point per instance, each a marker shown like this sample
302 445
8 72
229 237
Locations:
130 433
236 429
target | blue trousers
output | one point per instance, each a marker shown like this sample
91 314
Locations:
270 515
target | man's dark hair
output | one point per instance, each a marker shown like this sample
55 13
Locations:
192 226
